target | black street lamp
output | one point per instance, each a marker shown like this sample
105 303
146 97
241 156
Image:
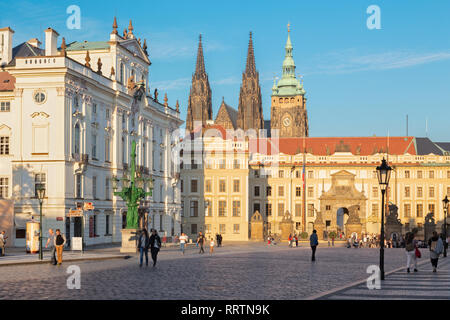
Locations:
383 173
445 203
40 191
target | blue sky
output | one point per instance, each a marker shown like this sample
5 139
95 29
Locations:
359 82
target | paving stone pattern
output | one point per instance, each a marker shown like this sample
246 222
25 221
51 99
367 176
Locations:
244 271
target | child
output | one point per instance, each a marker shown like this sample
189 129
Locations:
211 246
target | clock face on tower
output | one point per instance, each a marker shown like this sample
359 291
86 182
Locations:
286 121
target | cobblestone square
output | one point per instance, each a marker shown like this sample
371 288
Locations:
244 271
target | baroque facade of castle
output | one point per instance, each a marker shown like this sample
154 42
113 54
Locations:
66 121
290 181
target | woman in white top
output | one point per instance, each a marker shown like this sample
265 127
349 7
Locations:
211 246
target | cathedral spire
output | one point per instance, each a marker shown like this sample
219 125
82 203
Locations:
250 67
200 66
115 26
199 103
250 115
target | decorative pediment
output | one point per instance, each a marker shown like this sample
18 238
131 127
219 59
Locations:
4 129
133 46
40 114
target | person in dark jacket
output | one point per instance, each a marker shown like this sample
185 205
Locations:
201 241
143 245
155 245
314 242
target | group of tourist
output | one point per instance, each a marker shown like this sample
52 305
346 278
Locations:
293 240
435 245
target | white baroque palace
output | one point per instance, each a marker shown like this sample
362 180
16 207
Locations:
66 121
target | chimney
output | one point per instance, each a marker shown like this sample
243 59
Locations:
6 35
34 42
51 39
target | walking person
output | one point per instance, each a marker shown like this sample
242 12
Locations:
143 245
436 248
220 239
60 241
410 248
3 239
51 243
314 242
211 246
155 245
200 242
217 239
290 240
183 241
296 241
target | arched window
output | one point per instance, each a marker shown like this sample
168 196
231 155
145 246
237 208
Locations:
121 72
76 142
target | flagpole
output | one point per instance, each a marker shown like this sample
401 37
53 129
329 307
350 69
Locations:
304 183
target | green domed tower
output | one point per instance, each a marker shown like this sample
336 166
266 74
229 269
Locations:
288 112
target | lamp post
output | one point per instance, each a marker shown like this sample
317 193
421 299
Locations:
445 203
383 173
132 190
40 191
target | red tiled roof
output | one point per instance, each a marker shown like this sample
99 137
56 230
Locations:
363 146
7 81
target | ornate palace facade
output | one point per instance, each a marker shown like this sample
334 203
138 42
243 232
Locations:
297 181
66 121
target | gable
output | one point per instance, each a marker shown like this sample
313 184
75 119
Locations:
133 46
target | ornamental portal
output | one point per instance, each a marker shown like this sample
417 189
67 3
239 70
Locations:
342 207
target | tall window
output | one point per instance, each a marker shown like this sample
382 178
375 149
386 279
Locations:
4 145
222 228
407 192
236 228
94 187
107 217
236 164
3 187
39 178
208 187
194 185
375 209
419 210
269 191
257 193
310 192
419 192
431 192
107 189
407 210
281 191
280 174
375 192
407 175
94 146
107 149
310 210
280 209
236 186
5 106
124 152
268 209
78 186
419 174
76 140
310 174
121 72
161 161
194 208
298 191
431 207
236 208
222 208
431 174
222 186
